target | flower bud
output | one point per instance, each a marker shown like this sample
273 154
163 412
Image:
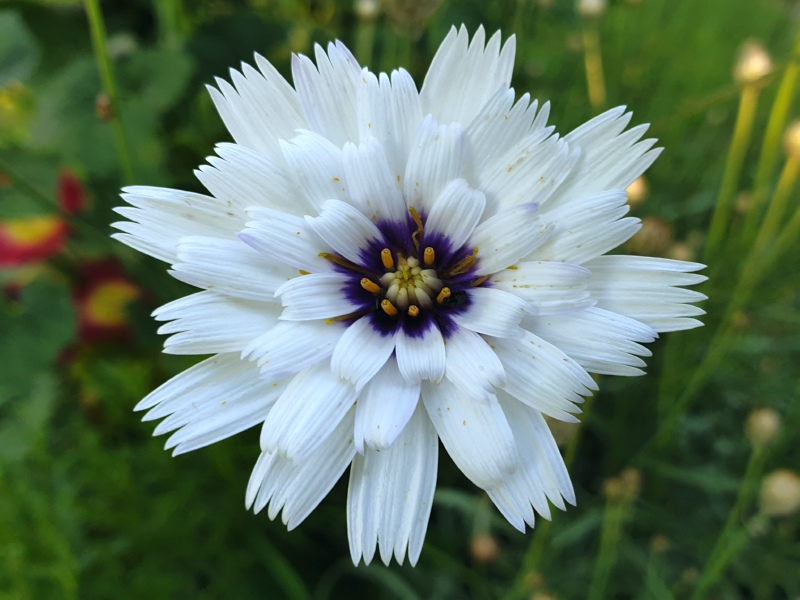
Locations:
484 548
791 140
780 493
591 9
653 239
754 64
638 191
367 9
763 426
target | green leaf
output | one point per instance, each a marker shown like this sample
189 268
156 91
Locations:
18 51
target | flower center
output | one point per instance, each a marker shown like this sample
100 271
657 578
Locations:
407 285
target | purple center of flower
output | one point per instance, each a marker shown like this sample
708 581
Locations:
411 278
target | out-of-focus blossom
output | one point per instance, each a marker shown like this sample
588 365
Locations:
102 297
31 239
70 193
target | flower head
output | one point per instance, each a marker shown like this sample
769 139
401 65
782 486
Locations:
383 268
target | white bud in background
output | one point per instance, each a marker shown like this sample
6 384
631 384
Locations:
753 65
591 9
780 493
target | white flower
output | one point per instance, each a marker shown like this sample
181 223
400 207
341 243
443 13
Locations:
383 268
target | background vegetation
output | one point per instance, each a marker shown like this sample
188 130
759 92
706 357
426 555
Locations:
672 500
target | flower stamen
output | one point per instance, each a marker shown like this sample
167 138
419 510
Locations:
429 256
465 264
388 307
386 259
370 286
415 237
443 295
413 310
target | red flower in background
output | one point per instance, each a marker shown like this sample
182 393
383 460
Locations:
70 193
34 238
31 239
101 297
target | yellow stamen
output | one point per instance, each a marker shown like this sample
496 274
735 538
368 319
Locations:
370 286
443 295
413 310
343 262
479 281
429 256
464 264
388 307
386 259
418 220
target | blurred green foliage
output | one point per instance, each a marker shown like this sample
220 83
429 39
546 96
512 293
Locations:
92 507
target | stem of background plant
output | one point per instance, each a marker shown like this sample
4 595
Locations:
770 148
613 519
99 44
593 61
777 208
759 262
748 101
532 560
365 40
719 557
171 22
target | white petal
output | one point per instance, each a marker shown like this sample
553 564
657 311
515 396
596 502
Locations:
455 213
374 189
390 112
421 355
241 178
500 125
646 289
391 493
462 78
492 312
507 238
609 159
252 121
346 230
211 323
213 400
587 229
361 352
229 267
298 488
599 340
541 474
328 92
306 413
161 216
384 408
472 365
435 159
547 287
292 346
542 376
316 296
316 165
476 435
285 239
529 172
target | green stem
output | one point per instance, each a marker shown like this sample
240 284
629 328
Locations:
593 62
613 521
365 40
171 22
720 555
770 148
743 129
99 44
777 207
